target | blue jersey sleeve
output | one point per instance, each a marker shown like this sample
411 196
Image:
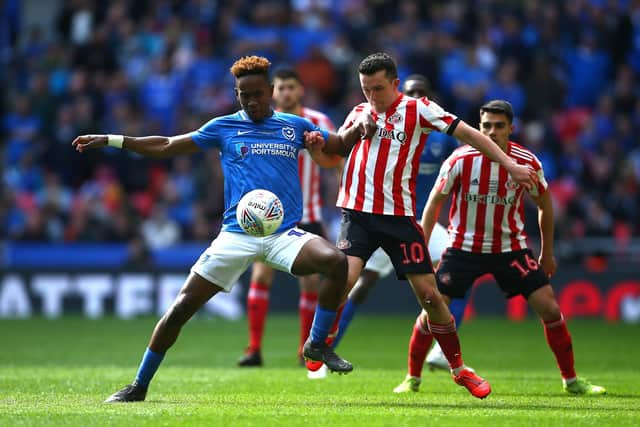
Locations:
307 125
208 136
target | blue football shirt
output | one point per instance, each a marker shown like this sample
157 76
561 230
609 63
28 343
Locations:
258 155
437 148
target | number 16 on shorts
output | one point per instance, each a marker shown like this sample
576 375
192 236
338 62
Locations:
531 265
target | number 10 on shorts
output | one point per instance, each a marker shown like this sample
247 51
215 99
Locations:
414 254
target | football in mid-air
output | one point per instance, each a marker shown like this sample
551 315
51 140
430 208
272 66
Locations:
260 213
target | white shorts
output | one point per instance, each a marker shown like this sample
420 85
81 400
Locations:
231 254
380 263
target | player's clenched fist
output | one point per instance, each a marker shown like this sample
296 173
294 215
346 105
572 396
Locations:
314 140
366 125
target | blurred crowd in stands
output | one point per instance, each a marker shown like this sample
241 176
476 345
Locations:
142 67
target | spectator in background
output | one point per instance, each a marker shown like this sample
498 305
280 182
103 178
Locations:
535 139
317 74
180 191
76 21
53 193
598 221
205 69
122 225
544 89
624 138
262 33
470 82
116 94
55 156
507 86
588 68
10 25
34 228
625 90
43 102
622 202
160 231
139 256
160 94
22 128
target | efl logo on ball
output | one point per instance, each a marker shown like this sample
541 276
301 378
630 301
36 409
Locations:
259 213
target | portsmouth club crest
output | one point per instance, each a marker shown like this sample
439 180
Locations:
242 149
289 133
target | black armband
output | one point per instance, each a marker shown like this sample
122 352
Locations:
453 126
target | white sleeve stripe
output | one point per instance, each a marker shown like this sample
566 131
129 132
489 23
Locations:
522 152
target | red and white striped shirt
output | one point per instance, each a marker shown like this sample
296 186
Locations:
310 172
380 173
487 213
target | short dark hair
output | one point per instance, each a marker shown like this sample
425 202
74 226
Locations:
498 106
287 73
379 61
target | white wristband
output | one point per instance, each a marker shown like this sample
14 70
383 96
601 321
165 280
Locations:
115 140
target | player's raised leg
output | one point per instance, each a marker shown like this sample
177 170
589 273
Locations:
193 295
318 256
443 328
257 308
355 269
559 340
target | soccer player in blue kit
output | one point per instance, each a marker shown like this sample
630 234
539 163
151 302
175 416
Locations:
258 150
436 150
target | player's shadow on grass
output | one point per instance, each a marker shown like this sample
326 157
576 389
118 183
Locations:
490 405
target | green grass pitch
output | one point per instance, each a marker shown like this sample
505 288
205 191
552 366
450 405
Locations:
58 372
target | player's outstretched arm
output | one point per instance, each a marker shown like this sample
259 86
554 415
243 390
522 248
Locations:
545 222
342 142
317 148
326 153
149 146
522 174
432 212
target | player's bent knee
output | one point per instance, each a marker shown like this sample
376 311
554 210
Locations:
431 298
333 262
